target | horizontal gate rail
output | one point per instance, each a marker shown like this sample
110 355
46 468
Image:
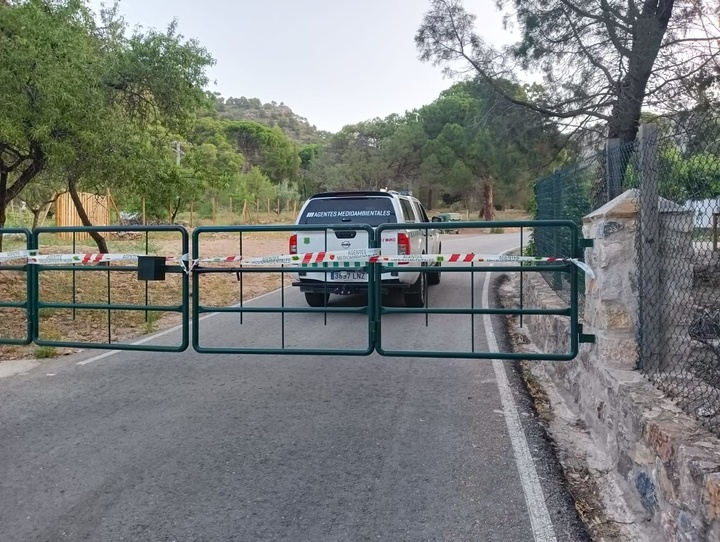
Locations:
39 271
9 307
242 308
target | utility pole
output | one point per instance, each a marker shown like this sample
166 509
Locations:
178 152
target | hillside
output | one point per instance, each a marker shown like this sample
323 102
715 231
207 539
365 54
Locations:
271 114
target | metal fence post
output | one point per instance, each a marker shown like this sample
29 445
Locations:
648 250
613 169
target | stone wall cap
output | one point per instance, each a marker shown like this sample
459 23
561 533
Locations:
669 206
623 206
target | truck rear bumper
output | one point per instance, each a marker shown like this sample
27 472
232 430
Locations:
346 288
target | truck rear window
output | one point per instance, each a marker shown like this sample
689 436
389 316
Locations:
372 211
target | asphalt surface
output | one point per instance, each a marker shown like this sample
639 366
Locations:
190 447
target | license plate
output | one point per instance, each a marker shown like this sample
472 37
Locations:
348 275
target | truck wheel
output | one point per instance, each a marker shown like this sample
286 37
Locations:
316 300
415 298
434 277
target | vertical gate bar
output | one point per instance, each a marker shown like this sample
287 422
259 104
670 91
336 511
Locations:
108 301
574 309
325 293
74 299
282 305
147 246
472 306
195 289
185 280
241 275
522 253
375 315
427 289
30 272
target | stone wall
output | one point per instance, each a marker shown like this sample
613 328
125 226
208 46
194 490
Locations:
669 467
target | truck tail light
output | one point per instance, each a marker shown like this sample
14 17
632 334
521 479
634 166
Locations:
403 244
293 244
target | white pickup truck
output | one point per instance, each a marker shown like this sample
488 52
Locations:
364 208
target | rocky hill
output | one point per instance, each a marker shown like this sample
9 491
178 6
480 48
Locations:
271 114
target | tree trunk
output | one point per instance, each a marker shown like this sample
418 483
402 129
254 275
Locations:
37 164
36 217
175 211
3 203
624 123
99 239
489 206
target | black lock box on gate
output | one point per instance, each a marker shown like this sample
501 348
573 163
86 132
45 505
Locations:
151 267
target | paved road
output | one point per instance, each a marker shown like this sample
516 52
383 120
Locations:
162 447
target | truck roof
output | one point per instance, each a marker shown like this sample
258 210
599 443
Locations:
353 194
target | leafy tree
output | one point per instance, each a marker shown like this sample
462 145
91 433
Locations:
91 101
502 145
267 148
600 61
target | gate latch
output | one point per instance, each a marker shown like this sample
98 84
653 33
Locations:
585 337
151 267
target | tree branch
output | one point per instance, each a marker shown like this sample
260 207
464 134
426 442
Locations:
590 57
37 164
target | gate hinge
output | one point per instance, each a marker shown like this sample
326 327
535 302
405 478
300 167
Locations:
585 337
582 245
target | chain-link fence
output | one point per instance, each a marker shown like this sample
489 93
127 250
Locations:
674 165
677 171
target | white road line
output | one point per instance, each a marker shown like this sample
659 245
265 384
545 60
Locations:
540 522
164 332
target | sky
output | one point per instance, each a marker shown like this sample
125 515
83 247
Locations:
334 62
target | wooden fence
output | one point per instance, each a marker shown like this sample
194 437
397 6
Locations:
96 207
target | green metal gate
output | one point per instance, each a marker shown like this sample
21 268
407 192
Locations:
59 284
500 263
208 265
55 286
19 305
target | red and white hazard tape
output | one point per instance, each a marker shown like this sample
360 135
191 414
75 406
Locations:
16 255
85 258
309 259
471 258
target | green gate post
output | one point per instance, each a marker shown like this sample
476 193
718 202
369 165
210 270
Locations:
28 303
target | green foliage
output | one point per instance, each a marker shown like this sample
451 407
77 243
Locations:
91 102
445 150
601 61
267 148
45 352
684 178
295 127
254 186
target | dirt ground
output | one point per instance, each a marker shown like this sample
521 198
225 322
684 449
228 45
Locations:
101 284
